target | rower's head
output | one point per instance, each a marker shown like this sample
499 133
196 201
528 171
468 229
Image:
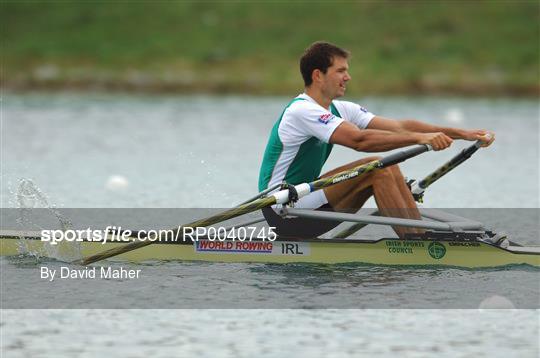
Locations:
325 66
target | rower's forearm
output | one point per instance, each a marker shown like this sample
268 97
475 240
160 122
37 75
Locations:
373 140
411 125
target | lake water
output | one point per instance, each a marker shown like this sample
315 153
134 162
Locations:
204 152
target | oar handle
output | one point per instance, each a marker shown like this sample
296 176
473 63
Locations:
403 155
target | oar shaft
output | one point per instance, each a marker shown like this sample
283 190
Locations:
223 216
448 166
387 161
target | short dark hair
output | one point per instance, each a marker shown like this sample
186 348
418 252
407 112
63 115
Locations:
319 56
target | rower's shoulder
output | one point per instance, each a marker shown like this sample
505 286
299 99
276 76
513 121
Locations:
351 108
300 105
342 103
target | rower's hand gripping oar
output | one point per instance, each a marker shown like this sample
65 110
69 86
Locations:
418 188
281 197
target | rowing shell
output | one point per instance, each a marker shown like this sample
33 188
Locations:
389 251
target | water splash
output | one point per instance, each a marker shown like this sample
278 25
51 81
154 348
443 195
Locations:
30 197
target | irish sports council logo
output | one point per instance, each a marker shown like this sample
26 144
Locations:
436 250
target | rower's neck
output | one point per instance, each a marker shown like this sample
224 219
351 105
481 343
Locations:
318 97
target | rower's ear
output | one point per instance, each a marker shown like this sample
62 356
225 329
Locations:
316 75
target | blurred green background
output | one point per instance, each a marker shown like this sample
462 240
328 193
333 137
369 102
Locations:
399 47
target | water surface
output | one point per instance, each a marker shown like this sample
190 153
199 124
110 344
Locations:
185 152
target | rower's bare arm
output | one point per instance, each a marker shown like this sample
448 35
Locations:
377 140
412 125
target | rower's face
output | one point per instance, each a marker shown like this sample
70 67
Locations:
336 78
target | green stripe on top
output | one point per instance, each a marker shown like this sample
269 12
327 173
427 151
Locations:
306 165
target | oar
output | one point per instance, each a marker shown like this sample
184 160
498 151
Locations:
281 197
418 188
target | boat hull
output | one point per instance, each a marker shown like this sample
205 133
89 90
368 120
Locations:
379 252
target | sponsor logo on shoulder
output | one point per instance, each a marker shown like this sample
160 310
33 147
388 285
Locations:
325 118
363 109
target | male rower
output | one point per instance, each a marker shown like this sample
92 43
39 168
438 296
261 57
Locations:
302 139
